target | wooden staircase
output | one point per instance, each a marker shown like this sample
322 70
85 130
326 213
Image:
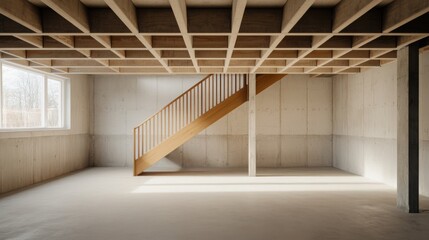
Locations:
202 105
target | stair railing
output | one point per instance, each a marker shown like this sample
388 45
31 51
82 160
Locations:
186 108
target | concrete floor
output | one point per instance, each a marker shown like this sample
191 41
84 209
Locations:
108 203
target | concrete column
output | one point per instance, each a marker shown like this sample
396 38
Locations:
408 129
252 124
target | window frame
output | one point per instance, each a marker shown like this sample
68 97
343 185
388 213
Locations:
63 116
62 113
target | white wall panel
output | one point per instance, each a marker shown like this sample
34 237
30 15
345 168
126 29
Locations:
369 149
28 157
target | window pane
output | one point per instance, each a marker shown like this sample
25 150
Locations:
54 103
22 98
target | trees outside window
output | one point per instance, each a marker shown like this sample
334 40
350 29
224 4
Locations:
30 99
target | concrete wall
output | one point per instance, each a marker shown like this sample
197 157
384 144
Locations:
31 157
294 123
364 123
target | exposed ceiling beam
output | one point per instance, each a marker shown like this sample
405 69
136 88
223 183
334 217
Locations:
22 12
126 11
179 10
400 12
345 13
294 38
65 40
72 10
33 40
16 53
292 12
76 13
107 43
238 8
404 41
348 11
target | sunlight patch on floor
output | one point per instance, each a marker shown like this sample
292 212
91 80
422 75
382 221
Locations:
202 184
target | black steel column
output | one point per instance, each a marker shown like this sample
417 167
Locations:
413 128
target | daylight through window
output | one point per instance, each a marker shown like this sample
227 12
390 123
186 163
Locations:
30 99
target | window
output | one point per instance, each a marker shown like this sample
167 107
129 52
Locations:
30 100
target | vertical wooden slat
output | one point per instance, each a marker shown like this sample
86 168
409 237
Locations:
154 131
143 138
182 117
134 143
211 92
163 129
173 118
207 94
227 85
141 141
191 105
152 135
167 115
232 83
201 100
161 126
157 129
203 96
145 145
182 107
185 110
176 116
149 138
223 83
138 140
219 89
216 89
196 103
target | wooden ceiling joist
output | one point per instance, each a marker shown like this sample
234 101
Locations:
348 11
238 7
400 12
22 12
180 12
292 13
345 37
126 11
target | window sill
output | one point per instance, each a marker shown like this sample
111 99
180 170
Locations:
11 130
35 132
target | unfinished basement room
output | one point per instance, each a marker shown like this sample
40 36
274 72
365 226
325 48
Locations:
214 119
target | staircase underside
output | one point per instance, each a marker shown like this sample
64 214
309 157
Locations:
201 123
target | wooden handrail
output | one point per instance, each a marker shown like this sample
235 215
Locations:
184 109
